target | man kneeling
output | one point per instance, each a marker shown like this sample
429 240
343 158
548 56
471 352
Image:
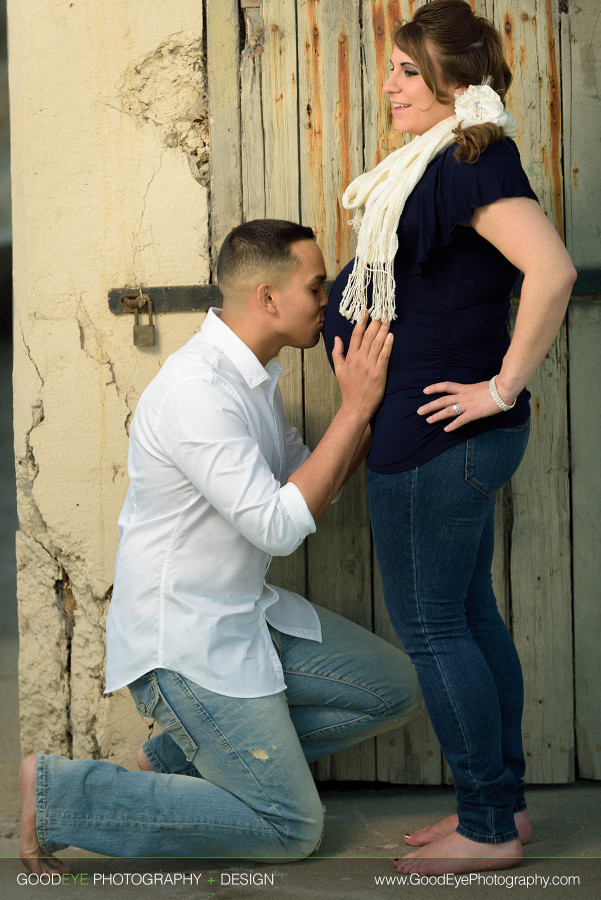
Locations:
220 483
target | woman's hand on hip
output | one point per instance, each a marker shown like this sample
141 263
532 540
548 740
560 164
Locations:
473 400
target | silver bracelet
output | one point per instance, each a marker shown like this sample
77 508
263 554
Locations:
498 400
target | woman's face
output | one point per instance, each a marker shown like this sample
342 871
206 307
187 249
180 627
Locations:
414 107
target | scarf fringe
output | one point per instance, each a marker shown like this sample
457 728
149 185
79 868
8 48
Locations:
377 199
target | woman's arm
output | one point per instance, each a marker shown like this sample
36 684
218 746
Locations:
519 229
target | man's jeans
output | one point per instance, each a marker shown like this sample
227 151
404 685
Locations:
434 534
255 795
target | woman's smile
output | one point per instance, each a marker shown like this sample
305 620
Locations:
415 109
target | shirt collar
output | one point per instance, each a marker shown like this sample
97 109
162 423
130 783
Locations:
242 357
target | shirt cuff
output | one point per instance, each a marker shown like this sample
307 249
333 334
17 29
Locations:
296 507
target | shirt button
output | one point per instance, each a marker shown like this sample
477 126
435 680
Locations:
142 708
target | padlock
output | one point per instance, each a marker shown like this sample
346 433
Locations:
144 334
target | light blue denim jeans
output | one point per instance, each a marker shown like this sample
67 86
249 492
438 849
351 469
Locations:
254 796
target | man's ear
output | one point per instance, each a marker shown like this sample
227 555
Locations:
264 298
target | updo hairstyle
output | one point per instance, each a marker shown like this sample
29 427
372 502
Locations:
450 44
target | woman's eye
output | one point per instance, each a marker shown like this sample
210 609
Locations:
410 72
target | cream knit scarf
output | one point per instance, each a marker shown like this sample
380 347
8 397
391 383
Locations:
378 199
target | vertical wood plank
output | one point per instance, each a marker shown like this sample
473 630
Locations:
540 577
280 110
282 178
540 580
532 50
270 176
223 85
280 127
331 141
251 118
581 69
584 320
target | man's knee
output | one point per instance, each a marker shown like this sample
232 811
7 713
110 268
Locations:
404 697
311 830
302 829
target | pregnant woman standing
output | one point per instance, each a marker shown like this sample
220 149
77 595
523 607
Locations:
444 225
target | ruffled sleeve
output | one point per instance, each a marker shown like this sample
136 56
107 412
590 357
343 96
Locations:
450 192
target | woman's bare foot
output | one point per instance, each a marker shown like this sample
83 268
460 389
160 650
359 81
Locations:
32 855
424 836
455 853
143 761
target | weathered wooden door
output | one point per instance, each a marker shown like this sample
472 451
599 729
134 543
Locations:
296 112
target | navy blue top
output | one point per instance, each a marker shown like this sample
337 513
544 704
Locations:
452 301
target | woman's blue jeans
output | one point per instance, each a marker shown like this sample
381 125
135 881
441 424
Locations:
254 794
433 529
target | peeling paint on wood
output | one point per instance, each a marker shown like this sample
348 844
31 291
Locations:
343 116
314 122
508 34
555 122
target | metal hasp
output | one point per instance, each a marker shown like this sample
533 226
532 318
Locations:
176 298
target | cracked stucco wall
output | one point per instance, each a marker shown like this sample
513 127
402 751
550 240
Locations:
110 163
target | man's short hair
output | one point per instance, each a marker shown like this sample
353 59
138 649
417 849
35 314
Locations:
260 246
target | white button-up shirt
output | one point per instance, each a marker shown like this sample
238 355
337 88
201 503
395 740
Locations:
208 505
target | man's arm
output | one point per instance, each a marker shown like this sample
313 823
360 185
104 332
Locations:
362 451
297 451
362 377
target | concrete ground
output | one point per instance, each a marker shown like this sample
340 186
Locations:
364 827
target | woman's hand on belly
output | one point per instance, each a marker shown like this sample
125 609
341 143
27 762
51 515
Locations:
474 401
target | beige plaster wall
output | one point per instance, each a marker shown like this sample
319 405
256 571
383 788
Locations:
109 167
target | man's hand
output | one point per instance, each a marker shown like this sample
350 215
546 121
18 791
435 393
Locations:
362 372
362 376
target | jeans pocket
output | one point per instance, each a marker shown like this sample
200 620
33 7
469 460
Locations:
150 701
145 694
493 457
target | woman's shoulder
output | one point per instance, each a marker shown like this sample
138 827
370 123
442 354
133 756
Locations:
453 190
497 157
497 173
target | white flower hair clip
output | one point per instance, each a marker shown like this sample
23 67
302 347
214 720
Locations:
480 104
